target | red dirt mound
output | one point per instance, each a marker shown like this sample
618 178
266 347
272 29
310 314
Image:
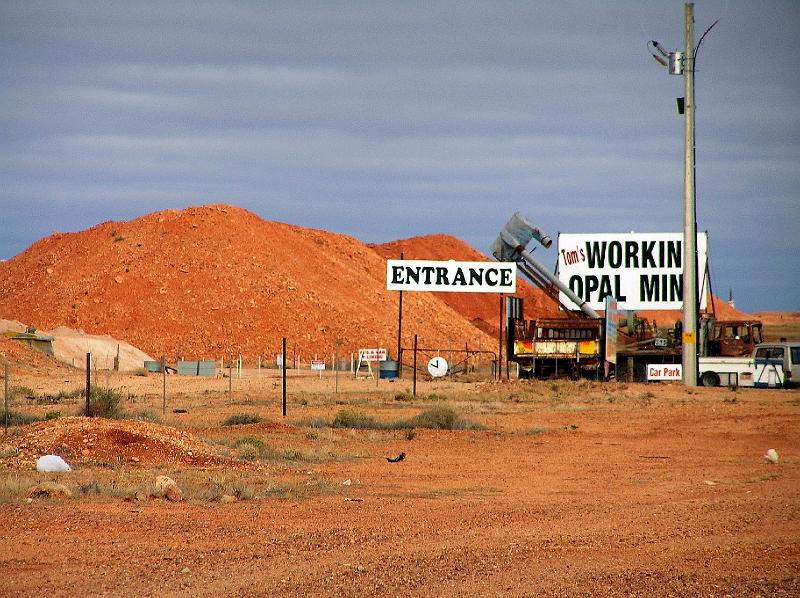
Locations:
82 440
483 310
778 317
23 359
208 280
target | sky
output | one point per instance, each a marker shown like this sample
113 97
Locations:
391 119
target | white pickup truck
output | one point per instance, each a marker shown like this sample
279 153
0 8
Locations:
740 371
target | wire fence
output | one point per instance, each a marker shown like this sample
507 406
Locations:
156 384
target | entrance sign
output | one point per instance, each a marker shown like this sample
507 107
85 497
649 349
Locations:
317 364
638 270
451 276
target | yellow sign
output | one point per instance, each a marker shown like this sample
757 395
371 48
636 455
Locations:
689 338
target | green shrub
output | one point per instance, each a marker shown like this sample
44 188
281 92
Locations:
239 419
146 415
52 415
250 440
349 418
104 402
440 417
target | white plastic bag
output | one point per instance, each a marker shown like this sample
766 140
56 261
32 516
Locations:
51 464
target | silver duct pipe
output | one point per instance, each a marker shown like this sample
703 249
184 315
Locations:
510 247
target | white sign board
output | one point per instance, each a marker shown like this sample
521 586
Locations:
437 367
317 364
451 276
665 371
372 354
639 270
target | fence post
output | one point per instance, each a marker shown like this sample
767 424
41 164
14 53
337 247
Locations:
164 384
283 366
414 392
230 378
5 400
88 384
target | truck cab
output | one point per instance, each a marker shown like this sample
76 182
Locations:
732 338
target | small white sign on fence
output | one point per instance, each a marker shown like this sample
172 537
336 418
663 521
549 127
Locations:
317 364
372 355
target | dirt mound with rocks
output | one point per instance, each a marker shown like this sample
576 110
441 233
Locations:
778 317
483 310
24 360
92 440
214 279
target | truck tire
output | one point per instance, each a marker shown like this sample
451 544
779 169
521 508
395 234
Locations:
709 379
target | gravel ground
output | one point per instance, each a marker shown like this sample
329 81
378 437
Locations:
569 489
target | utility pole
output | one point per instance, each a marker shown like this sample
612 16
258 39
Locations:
689 357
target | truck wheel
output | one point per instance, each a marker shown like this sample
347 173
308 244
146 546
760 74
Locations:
709 379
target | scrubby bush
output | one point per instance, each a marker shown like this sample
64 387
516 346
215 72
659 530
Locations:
439 417
147 415
104 402
17 418
442 417
239 419
349 418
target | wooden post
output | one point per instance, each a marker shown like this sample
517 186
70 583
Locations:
230 378
414 386
500 353
400 331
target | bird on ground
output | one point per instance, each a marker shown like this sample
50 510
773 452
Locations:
396 459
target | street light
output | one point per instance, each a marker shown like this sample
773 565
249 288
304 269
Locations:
684 63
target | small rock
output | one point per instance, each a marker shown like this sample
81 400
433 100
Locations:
167 487
771 456
185 570
347 482
711 483
227 499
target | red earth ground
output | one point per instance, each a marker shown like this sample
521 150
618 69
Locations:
569 488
